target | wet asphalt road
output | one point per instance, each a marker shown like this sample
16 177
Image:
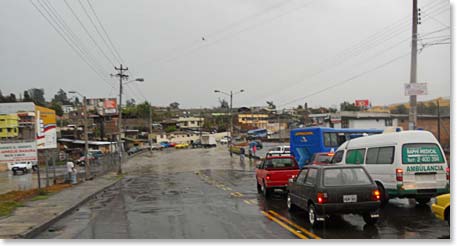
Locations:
205 194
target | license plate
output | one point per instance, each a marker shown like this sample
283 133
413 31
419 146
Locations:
350 198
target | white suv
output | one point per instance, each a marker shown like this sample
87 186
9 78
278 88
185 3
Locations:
23 166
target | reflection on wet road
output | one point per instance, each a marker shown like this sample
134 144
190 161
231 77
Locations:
203 193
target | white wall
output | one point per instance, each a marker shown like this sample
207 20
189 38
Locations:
369 123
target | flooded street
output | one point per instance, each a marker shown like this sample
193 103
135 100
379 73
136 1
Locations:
206 194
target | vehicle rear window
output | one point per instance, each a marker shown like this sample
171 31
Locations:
312 176
324 158
345 176
383 155
355 156
421 153
279 163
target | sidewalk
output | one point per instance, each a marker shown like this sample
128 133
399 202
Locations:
36 216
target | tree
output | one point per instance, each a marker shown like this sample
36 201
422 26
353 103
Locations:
271 105
223 104
400 109
27 97
37 96
56 106
142 110
170 129
346 106
174 105
130 102
60 97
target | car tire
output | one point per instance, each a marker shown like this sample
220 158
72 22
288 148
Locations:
312 216
423 201
290 206
265 191
34 168
369 220
259 188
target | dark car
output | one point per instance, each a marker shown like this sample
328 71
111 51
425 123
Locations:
322 158
325 190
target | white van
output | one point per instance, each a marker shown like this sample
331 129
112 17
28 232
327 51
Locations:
403 164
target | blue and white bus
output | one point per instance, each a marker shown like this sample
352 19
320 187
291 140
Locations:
304 142
257 133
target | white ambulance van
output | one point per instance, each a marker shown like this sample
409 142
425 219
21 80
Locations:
405 164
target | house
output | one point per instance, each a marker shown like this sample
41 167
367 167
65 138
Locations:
9 125
192 123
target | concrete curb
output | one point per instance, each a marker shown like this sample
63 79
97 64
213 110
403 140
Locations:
40 228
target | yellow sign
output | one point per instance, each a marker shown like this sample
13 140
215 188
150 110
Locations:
46 137
303 133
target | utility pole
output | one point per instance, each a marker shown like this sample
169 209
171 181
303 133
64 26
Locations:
121 76
412 119
86 140
230 115
439 122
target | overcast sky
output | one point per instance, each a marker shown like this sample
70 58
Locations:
289 51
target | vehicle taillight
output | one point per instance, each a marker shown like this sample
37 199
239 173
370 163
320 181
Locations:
321 197
399 173
267 177
376 195
448 173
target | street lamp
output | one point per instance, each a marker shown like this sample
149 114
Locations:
86 138
231 94
119 145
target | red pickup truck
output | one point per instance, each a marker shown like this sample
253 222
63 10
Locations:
274 173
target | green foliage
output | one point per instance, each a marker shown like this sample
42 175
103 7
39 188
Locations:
170 129
7 207
60 97
56 106
400 109
346 106
37 96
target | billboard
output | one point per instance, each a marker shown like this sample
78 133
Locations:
362 103
16 152
103 106
46 132
416 89
17 122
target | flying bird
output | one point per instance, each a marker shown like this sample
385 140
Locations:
203 38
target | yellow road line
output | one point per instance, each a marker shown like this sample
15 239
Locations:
228 188
239 194
284 225
253 201
247 202
294 225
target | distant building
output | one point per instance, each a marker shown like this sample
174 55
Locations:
190 122
9 125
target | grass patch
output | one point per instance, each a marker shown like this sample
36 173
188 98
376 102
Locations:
13 199
7 207
39 197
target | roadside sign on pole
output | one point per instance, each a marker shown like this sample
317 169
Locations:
416 89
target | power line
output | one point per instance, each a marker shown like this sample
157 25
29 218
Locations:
232 35
224 29
346 80
88 33
387 33
70 34
67 41
98 32
106 33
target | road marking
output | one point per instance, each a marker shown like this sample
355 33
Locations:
228 188
239 194
247 202
294 225
253 201
284 225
